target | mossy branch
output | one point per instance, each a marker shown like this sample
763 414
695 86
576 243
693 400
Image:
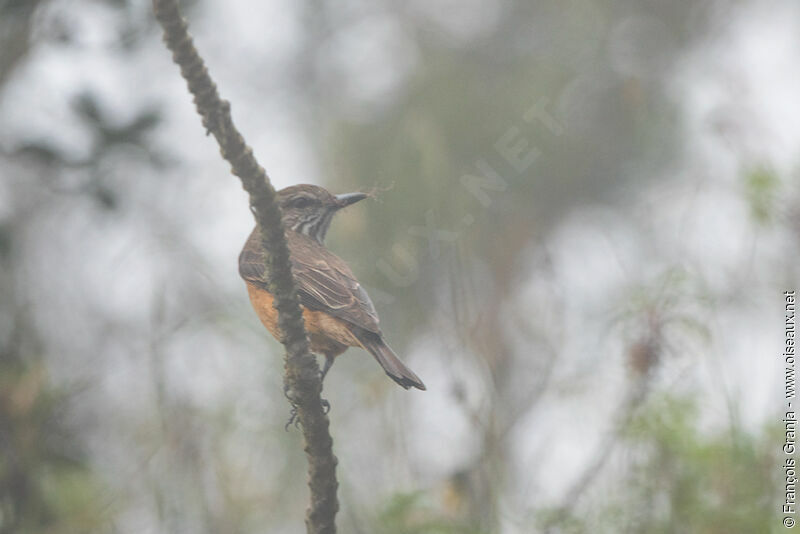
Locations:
302 377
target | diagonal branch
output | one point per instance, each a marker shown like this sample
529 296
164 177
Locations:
302 377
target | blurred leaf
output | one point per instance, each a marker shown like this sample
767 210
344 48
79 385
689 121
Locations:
106 197
761 185
146 120
86 106
42 152
405 513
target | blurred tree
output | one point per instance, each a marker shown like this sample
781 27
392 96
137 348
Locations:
490 143
683 479
46 484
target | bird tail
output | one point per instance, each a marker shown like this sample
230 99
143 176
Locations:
396 369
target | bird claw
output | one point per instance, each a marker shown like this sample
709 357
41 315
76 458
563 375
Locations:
293 419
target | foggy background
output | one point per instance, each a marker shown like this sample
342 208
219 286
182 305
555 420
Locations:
586 217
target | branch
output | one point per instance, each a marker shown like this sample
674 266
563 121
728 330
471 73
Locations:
302 376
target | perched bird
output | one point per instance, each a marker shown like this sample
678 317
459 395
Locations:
337 311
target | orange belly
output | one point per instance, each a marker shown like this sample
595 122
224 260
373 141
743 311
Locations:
328 335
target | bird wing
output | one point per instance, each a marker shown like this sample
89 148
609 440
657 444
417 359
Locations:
253 261
324 281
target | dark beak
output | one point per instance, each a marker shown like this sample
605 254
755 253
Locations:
346 199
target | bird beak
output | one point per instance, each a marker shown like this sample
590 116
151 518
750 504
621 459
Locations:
346 199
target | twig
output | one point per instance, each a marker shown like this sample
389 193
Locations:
302 376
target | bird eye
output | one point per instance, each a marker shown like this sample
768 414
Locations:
302 202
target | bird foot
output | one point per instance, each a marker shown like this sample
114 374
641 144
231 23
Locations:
293 420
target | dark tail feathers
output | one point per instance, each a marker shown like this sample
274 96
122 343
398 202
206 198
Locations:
396 369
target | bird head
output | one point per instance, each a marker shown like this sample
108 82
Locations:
309 209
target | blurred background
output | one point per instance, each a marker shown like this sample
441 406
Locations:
586 217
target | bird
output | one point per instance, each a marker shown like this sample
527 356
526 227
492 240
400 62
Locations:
337 311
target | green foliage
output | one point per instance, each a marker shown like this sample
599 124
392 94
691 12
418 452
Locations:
407 513
45 485
694 482
684 479
760 187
